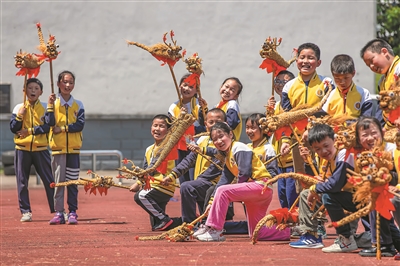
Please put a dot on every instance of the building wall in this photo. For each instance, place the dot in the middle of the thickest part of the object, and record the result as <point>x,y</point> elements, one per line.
<point>122,87</point>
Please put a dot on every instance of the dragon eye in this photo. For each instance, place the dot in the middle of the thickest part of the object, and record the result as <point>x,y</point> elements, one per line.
<point>359,155</point>
<point>369,155</point>
<point>378,97</point>
<point>372,165</point>
<point>57,45</point>
<point>369,177</point>
<point>391,94</point>
<point>345,134</point>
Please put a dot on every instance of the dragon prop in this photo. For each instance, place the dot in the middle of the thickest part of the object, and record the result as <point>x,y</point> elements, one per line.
<point>28,64</point>
<point>370,185</point>
<point>177,234</point>
<point>297,117</point>
<point>389,101</point>
<point>168,53</point>
<point>193,65</point>
<point>167,150</point>
<point>273,62</point>
<point>101,183</point>
<point>284,217</point>
<point>49,51</point>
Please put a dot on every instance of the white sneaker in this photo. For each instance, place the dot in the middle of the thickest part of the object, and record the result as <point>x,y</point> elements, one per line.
<point>26,217</point>
<point>211,235</point>
<point>201,230</point>
<point>342,244</point>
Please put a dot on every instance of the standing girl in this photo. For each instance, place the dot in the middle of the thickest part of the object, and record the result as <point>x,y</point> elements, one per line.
<point>190,105</point>
<point>244,165</point>
<point>65,142</point>
<point>30,128</point>
<point>230,91</point>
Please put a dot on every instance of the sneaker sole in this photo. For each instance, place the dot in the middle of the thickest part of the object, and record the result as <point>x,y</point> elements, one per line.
<point>383,254</point>
<point>310,247</point>
<point>26,221</point>
<point>338,251</point>
<point>56,223</point>
<point>212,240</point>
<point>165,226</point>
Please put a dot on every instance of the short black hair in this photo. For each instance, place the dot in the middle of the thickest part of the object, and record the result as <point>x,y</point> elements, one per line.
<point>218,110</point>
<point>35,80</point>
<point>166,118</point>
<point>376,46</point>
<point>342,64</point>
<point>221,126</point>
<point>286,72</point>
<point>319,132</point>
<point>312,46</point>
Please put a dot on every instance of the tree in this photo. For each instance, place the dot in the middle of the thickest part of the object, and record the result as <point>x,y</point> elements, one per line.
<point>388,23</point>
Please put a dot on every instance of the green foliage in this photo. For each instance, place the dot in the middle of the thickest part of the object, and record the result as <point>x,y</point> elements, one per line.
<point>388,22</point>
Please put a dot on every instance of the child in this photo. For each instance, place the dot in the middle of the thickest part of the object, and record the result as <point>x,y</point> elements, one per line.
<point>286,187</point>
<point>369,134</point>
<point>67,121</point>
<point>241,163</point>
<point>347,99</point>
<point>321,138</point>
<point>307,88</point>
<point>30,127</point>
<point>191,105</point>
<point>378,55</point>
<point>205,173</point>
<point>230,91</point>
<point>154,201</point>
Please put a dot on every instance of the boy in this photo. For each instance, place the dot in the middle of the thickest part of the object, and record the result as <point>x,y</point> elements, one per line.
<point>154,201</point>
<point>29,123</point>
<point>347,99</point>
<point>336,195</point>
<point>286,187</point>
<point>307,88</point>
<point>205,173</point>
<point>378,55</point>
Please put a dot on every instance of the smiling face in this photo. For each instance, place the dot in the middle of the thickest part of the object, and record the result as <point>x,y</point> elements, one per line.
<point>222,140</point>
<point>229,90</point>
<point>307,62</point>
<point>159,129</point>
<point>325,148</point>
<point>378,63</point>
<point>370,137</point>
<point>33,92</point>
<point>343,81</point>
<point>187,92</point>
<point>253,131</point>
<point>66,85</point>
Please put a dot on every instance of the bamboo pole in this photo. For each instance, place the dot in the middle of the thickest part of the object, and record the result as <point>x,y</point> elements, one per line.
<point>280,154</point>
<point>176,84</point>
<point>25,80</point>
<point>51,77</point>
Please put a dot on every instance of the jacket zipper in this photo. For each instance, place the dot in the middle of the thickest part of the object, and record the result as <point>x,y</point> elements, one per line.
<point>33,136</point>
<point>66,133</point>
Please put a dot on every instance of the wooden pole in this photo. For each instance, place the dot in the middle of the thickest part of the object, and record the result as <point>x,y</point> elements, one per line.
<point>378,236</point>
<point>25,80</point>
<point>51,76</point>
<point>203,107</point>
<point>176,84</point>
<point>273,80</point>
<point>280,154</point>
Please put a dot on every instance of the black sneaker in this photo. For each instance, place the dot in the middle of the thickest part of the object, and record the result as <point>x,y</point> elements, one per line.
<point>164,223</point>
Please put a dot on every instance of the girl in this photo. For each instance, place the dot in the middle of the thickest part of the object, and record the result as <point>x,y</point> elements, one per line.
<point>369,134</point>
<point>154,201</point>
<point>191,105</point>
<point>230,91</point>
<point>260,145</point>
<point>67,123</point>
<point>244,165</point>
<point>29,123</point>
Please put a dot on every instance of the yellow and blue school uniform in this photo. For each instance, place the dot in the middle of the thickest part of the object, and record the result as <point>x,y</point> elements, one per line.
<point>233,117</point>
<point>70,117</point>
<point>265,151</point>
<point>297,92</point>
<point>386,81</point>
<point>355,102</point>
<point>32,150</point>
<point>154,200</point>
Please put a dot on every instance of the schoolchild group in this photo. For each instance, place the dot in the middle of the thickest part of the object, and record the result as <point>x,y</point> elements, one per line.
<point>206,188</point>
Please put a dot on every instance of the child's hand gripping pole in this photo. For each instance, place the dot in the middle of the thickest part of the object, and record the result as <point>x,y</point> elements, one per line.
<point>280,154</point>
<point>197,150</point>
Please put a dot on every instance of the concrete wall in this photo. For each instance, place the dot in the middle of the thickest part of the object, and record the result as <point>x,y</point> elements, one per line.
<point>124,86</point>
